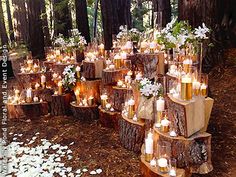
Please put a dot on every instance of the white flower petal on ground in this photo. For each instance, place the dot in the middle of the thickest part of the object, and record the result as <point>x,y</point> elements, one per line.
<point>93,172</point>
<point>85,170</point>
<point>99,171</point>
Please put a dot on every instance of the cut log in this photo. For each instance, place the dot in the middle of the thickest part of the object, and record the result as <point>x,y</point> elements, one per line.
<point>148,171</point>
<point>119,96</point>
<point>48,64</point>
<point>92,70</point>
<point>60,104</point>
<point>111,77</point>
<point>44,94</point>
<point>188,117</point>
<point>208,108</point>
<point>90,88</point>
<point>193,153</point>
<point>84,113</point>
<point>79,56</point>
<point>27,110</point>
<point>27,80</point>
<point>108,118</point>
<point>131,134</point>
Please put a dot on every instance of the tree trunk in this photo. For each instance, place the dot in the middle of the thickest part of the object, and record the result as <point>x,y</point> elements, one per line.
<point>82,18</point>
<point>218,16</point>
<point>107,22</point>
<point>164,12</point>
<point>11,31</point>
<point>36,38</point>
<point>95,19</point>
<point>47,39</point>
<point>3,33</point>
<point>20,21</point>
<point>62,17</point>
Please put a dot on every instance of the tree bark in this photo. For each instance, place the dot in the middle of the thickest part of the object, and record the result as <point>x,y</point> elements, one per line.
<point>20,21</point>
<point>47,38</point>
<point>82,18</point>
<point>36,38</point>
<point>11,31</point>
<point>123,12</point>
<point>107,22</point>
<point>62,17</point>
<point>164,12</point>
<point>3,33</point>
<point>95,19</point>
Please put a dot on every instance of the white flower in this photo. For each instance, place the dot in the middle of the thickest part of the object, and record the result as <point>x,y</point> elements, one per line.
<point>201,32</point>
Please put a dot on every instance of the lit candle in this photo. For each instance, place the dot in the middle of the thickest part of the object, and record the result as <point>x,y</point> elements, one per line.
<point>29,95</point>
<point>17,93</point>
<point>91,101</point>
<point>36,67</point>
<point>143,46</point>
<point>117,61</point>
<point>129,46</point>
<point>187,65</point>
<point>36,99</point>
<point>138,77</point>
<point>37,86</point>
<point>172,173</point>
<point>59,88</point>
<point>131,104</point>
<point>186,88</point>
<point>84,102</point>
<point>160,107</point>
<point>196,87</point>
<point>104,98</point>
<point>108,106</point>
<point>120,83</point>
<point>130,73</point>
<point>123,55</point>
<point>165,125</point>
<point>153,163</point>
<point>58,52</point>
<point>43,81</point>
<point>30,64</point>
<point>111,67</point>
<point>77,69</point>
<point>152,46</point>
<point>77,93</point>
<point>127,79</point>
<point>149,147</point>
<point>162,163</point>
<point>204,90</point>
<point>173,133</point>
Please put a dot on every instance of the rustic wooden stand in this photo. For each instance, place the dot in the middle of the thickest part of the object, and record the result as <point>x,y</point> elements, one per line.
<point>193,153</point>
<point>108,118</point>
<point>110,77</point>
<point>131,134</point>
<point>148,171</point>
<point>27,110</point>
<point>119,96</point>
<point>45,94</point>
<point>85,113</point>
<point>88,70</point>
<point>188,117</point>
<point>60,105</point>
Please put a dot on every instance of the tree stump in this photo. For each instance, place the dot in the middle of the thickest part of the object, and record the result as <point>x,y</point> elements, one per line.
<point>188,117</point>
<point>108,118</point>
<point>48,64</point>
<point>131,134</point>
<point>79,56</point>
<point>148,171</point>
<point>27,110</point>
<point>193,153</point>
<point>60,104</point>
<point>93,70</point>
<point>84,113</point>
<point>119,96</point>
<point>90,88</point>
<point>112,77</point>
<point>44,94</point>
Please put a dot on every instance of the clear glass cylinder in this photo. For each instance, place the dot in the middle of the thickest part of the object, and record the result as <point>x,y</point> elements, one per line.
<point>164,154</point>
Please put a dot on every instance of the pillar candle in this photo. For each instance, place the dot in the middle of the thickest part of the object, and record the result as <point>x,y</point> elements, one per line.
<point>43,81</point>
<point>149,147</point>
<point>59,88</point>
<point>29,95</point>
<point>186,88</point>
<point>131,104</point>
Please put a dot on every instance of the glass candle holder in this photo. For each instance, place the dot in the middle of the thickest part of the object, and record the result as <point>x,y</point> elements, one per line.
<point>172,167</point>
<point>164,153</point>
<point>204,84</point>
<point>117,61</point>
<point>160,108</point>
<point>104,98</point>
<point>127,64</point>
<point>149,154</point>
<point>131,107</point>
<point>186,87</point>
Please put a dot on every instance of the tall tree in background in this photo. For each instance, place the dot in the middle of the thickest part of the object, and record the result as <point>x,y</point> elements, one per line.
<point>10,25</point>
<point>163,9</point>
<point>47,38</point>
<point>36,37</point>
<point>3,33</point>
<point>82,18</point>
<point>62,17</point>
<point>107,21</point>
<point>95,17</point>
<point>20,20</point>
<point>217,15</point>
<point>124,14</point>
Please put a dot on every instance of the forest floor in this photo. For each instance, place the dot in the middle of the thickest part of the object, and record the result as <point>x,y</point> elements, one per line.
<point>98,147</point>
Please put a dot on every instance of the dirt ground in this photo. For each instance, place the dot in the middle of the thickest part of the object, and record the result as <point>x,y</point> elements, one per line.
<point>98,147</point>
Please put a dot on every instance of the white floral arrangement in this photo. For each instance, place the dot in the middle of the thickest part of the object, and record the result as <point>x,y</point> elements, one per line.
<point>69,77</point>
<point>76,40</point>
<point>179,34</point>
<point>125,34</point>
<point>59,41</point>
<point>149,89</point>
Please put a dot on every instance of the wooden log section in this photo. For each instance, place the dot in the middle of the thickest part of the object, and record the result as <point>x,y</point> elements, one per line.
<point>111,77</point>
<point>119,96</point>
<point>148,171</point>
<point>48,64</point>
<point>44,94</point>
<point>90,88</point>
<point>188,117</point>
<point>131,134</point>
<point>61,104</point>
<point>84,113</point>
<point>89,70</point>
<point>192,153</point>
<point>27,110</point>
<point>108,118</point>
